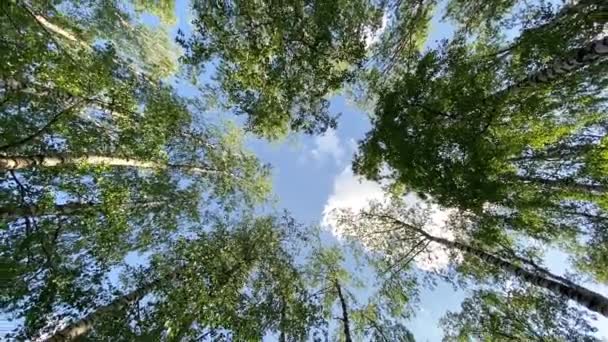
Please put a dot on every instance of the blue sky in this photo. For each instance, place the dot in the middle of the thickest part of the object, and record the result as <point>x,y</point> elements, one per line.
<point>308,172</point>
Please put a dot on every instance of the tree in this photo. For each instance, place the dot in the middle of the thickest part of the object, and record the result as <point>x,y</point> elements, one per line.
<point>572,19</point>
<point>49,83</point>
<point>403,37</point>
<point>516,314</point>
<point>79,24</point>
<point>228,281</point>
<point>105,162</point>
<point>327,273</point>
<point>380,316</point>
<point>516,135</point>
<point>445,152</point>
<point>276,62</point>
<point>395,225</point>
<point>124,211</point>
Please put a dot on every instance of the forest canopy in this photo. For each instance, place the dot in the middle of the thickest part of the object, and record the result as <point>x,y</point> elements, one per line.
<point>134,205</point>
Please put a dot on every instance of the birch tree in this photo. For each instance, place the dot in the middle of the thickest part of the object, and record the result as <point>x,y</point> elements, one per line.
<point>516,314</point>
<point>380,317</point>
<point>99,160</point>
<point>395,225</point>
<point>573,19</point>
<point>79,24</point>
<point>518,136</point>
<point>224,283</point>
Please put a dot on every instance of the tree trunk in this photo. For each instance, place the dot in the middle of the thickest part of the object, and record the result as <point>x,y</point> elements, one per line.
<point>84,325</point>
<point>587,298</point>
<point>42,130</point>
<point>565,184</point>
<point>573,8</point>
<point>578,8</point>
<point>345,321</point>
<point>65,34</point>
<point>582,57</point>
<point>71,208</point>
<point>282,337</point>
<point>67,209</point>
<point>24,162</point>
<point>47,25</point>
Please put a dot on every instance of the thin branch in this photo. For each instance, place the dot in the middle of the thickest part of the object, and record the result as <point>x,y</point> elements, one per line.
<point>41,130</point>
<point>414,256</point>
<point>320,292</point>
<point>375,325</point>
<point>406,256</point>
<point>28,225</point>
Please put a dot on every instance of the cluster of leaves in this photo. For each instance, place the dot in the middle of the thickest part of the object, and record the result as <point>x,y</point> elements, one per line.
<point>277,61</point>
<point>131,169</point>
<point>517,314</point>
<point>103,161</point>
<point>236,281</point>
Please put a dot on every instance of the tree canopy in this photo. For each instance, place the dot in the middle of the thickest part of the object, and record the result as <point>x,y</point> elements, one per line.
<point>278,61</point>
<point>513,135</point>
<point>516,315</point>
<point>132,208</point>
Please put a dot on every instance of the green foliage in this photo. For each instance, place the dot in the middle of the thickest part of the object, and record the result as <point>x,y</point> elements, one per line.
<point>276,62</point>
<point>73,86</point>
<point>119,164</point>
<point>149,49</point>
<point>471,125</point>
<point>163,9</point>
<point>408,25</point>
<point>233,280</point>
<point>517,314</point>
<point>380,314</point>
<point>557,23</point>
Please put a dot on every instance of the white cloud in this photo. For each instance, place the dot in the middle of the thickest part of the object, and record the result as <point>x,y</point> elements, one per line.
<point>350,191</point>
<point>437,256</point>
<point>372,37</point>
<point>328,146</point>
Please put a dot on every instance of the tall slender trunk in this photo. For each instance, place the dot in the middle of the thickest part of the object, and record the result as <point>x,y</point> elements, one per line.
<point>345,320</point>
<point>587,298</point>
<point>24,162</point>
<point>582,57</point>
<point>282,337</point>
<point>47,25</point>
<point>42,130</point>
<point>65,34</point>
<point>71,208</point>
<point>566,184</point>
<point>573,8</point>
<point>84,325</point>
<point>67,209</point>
